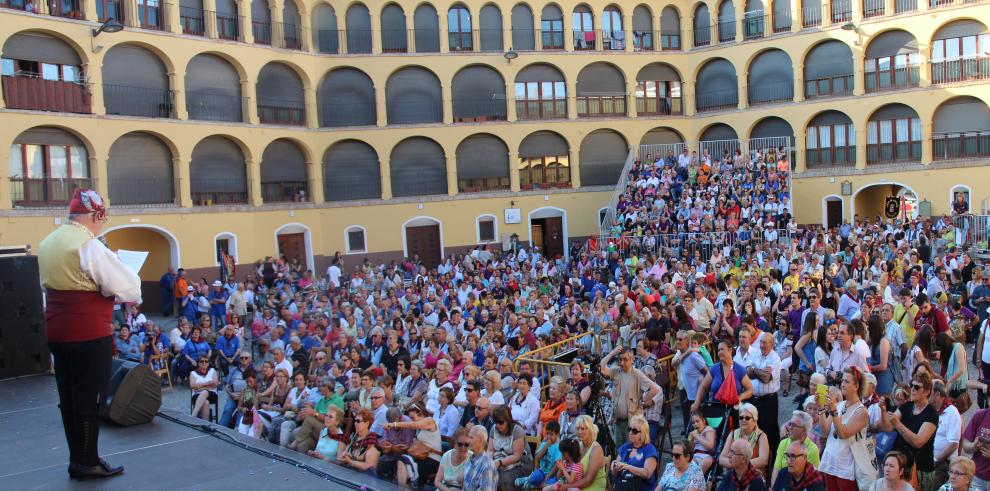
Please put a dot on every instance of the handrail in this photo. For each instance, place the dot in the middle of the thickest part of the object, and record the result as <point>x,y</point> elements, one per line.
<point>620,187</point>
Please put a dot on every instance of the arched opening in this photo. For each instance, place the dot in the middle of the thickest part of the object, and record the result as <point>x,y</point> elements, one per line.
<point>828,70</point>
<point>892,62</point>
<point>613,33</point>
<point>960,199</point>
<point>418,168</point>
<point>228,20</point>
<point>726,21</point>
<point>754,20</point>
<point>135,83</point>
<point>718,142</point>
<point>642,23</point>
<point>781,15</point>
<point>603,156</point>
<point>670,29</point>
<point>482,164</point>
<point>325,34</point>
<point>219,174</point>
<point>552,28</point>
<point>717,86</point>
<point>658,90</point>
<point>541,93</point>
<point>773,139</point>
<point>771,78</point>
<point>346,97</point>
<point>287,33</point>
<point>139,171</point>
<point>394,38</point>
<point>34,64</point>
<point>830,141</point>
<point>213,90</point>
<point>961,129</point>
<point>885,200</point>
<point>427,26</point>
<point>548,231</point>
<point>261,22</point>
<point>702,25</point>
<point>486,229</point>
<point>358,22</point>
<point>832,209</point>
<point>660,143</point>
<point>490,22</point>
<point>479,95</point>
<point>47,164</point>
<point>523,38</point>
<point>280,96</point>
<point>163,253</point>
<point>893,134</point>
<point>422,239</point>
<point>355,239</point>
<point>192,17</point>
<point>351,171</point>
<point>601,91</point>
<point>459,31</point>
<point>960,51</point>
<point>283,173</point>
<point>412,95</point>
<point>294,242</point>
<point>544,161</point>
<point>583,26</point>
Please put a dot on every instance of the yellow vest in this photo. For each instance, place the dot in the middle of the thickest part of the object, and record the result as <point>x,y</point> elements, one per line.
<point>58,259</point>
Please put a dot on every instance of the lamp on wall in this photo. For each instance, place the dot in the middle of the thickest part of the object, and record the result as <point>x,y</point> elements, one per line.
<point>849,26</point>
<point>847,188</point>
<point>109,26</point>
<point>510,55</point>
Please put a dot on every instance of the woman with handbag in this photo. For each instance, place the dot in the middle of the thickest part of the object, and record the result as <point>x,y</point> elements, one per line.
<point>426,449</point>
<point>915,423</point>
<point>713,387</point>
<point>845,424</point>
<point>635,466</point>
<point>507,444</point>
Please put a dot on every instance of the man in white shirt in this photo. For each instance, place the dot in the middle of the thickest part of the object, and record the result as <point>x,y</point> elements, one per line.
<point>281,362</point>
<point>333,273</point>
<point>764,373</point>
<point>947,434</point>
<point>745,354</point>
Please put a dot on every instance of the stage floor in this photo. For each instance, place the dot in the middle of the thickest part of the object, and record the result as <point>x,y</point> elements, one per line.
<point>157,455</point>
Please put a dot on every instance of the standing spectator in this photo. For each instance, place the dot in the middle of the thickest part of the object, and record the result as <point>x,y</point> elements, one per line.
<point>234,384</point>
<point>218,305</point>
<point>690,370</point>
<point>626,391</point>
<point>180,289</point>
<point>976,441</point>
<point>947,434</point>
<point>764,374</point>
<point>915,422</point>
<point>845,424</point>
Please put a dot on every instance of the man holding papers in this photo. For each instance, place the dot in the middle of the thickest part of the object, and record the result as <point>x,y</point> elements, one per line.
<point>82,280</point>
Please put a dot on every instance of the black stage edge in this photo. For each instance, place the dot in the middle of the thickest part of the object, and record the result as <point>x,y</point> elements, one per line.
<point>158,455</point>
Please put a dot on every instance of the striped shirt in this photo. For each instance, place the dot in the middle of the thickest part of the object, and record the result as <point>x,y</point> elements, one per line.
<point>761,362</point>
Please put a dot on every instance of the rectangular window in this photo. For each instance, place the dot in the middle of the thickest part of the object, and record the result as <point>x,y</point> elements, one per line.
<point>35,157</point>
<point>7,67</point>
<point>811,138</point>
<point>58,162</point>
<point>16,162</point>
<point>223,247</point>
<point>71,73</point>
<point>77,159</point>
<point>486,230</point>
<point>50,72</point>
<point>355,240</point>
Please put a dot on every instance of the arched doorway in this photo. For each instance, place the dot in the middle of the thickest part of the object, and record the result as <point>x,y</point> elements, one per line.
<point>548,231</point>
<point>423,237</point>
<point>163,253</point>
<point>295,242</point>
<point>831,211</point>
<point>887,200</point>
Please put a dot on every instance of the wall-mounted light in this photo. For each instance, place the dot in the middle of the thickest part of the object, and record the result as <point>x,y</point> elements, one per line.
<point>109,26</point>
<point>510,55</point>
<point>847,188</point>
<point>850,26</point>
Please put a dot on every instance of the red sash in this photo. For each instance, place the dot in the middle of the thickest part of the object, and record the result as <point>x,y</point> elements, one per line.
<point>72,316</point>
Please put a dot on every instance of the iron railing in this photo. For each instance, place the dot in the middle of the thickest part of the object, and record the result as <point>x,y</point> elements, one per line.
<point>659,150</point>
<point>153,15</point>
<point>610,220</point>
<point>214,107</point>
<point>726,31</point>
<point>834,86</point>
<point>874,8</point>
<point>960,69</point>
<point>69,9</point>
<point>768,93</point>
<point>193,21</point>
<point>491,40</point>
<point>601,106</point>
<point>658,106</point>
<point>686,244</point>
<point>702,36</point>
<point>412,112</point>
<point>902,6</point>
<point>901,77</point>
<point>110,9</point>
<point>811,16</point>
<point>336,114</point>
<point>479,110</point>
<point>154,192</point>
<point>482,184</point>
<point>530,109</point>
<point>782,23</point>
<point>284,191</point>
<point>841,11</point>
<point>45,192</point>
<point>716,100</point>
<point>833,156</point>
<point>207,192</point>
<point>281,112</point>
<point>228,26</point>
<point>139,101</point>
<point>909,151</point>
<point>755,25</point>
<point>969,144</point>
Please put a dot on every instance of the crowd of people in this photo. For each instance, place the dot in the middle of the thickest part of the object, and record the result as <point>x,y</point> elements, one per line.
<point>438,376</point>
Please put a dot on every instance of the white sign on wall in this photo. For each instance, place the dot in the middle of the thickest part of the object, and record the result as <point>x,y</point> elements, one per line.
<point>512,215</point>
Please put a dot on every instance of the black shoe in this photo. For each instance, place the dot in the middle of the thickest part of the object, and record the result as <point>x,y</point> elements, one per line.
<point>103,469</point>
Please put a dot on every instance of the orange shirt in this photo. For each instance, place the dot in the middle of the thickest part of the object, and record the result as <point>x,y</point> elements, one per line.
<point>181,284</point>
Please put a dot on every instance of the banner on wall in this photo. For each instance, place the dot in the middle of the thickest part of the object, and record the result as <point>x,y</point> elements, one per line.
<point>892,206</point>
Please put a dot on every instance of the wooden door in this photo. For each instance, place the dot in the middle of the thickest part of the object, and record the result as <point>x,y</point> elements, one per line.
<point>833,211</point>
<point>293,246</point>
<point>553,237</point>
<point>424,241</point>
<point>537,233</point>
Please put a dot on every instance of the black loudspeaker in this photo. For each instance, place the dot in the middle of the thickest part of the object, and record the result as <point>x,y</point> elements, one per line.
<point>23,350</point>
<point>134,396</point>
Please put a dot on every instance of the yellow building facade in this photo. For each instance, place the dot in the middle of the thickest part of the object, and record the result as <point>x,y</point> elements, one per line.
<point>391,128</point>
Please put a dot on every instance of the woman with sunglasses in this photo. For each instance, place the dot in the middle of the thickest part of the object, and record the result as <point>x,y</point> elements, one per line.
<point>362,453</point>
<point>845,424</point>
<point>203,384</point>
<point>507,444</point>
<point>450,475</point>
<point>332,440</point>
<point>748,430</point>
<point>637,456</point>
<point>427,435</point>
<point>915,423</point>
<point>683,474</point>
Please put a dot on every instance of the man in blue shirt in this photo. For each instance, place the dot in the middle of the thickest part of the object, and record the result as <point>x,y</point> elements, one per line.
<point>690,370</point>
<point>233,384</point>
<point>228,346</point>
<point>218,305</point>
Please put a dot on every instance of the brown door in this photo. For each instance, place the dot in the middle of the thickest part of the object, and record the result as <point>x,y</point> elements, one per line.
<point>833,210</point>
<point>537,235</point>
<point>553,237</point>
<point>424,241</point>
<point>293,246</point>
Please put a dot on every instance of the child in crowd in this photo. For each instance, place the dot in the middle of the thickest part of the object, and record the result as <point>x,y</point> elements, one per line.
<point>547,455</point>
<point>569,470</point>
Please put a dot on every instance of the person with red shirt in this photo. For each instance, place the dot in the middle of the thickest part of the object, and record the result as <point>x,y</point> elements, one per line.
<point>928,314</point>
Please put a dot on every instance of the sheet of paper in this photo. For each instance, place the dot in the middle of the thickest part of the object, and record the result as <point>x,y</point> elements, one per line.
<point>132,259</point>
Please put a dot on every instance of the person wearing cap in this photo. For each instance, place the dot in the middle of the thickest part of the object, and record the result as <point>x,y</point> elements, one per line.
<point>82,280</point>
<point>218,304</point>
<point>188,304</point>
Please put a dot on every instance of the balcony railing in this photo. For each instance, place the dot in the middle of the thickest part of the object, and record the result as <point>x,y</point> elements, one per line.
<point>893,79</point>
<point>328,41</point>
<point>69,9</point>
<point>460,41</point>
<point>193,21</point>
<point>337,114</point>
<point>479,110</point>
<point>645,40</point>
<point>844,156</point>
<point>262,32</point>
<point>768,93</point>
<point>491,40</point>
<point>281,112</point>
<point>811,16</point>
<point>287,36</point>
<point>24,5</point>
<point>782,23</point>
<point>37,94</point>
<point>214,107</point>
<point>139,101</point>
<point>44,192</point>
<point>601,106</point>
<point>110,9</point>
<point>726,31</point>
<point>755,26</point>
<point>935,4</point>
<point>284,192</point>
<point>970,144</point>
<point>414,112</point>
<point>207,192</point>
<point>658,106</point>
<point>670,41</point>
<point>587,40</point>
<point>877,153</point>
<point>841,11</point>
<point>702,36</point>
<point>716,100</point>
<point>482,184</point>
<point>834,86</point>
<point>902,6</point>
<point>874,8</point>
<point>541,109</point>
<point>153,15</point>
<point>156,192</point>
<point>397,40</point>
<point>228,26</point>
<point>960,70</point>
